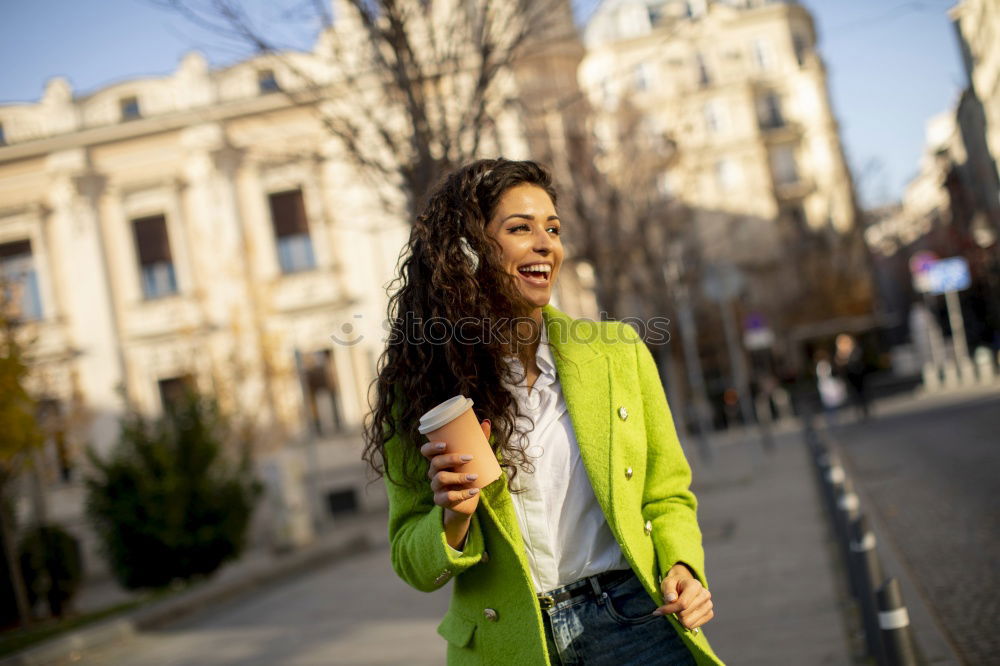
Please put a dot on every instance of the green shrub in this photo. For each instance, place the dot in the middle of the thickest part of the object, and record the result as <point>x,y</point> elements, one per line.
<point>52,567</point>
<point>8,604</point>
<point>167,504</point>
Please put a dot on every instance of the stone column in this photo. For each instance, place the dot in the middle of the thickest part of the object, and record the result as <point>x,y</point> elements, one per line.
<point>221,250</point>
<point>90,311</point>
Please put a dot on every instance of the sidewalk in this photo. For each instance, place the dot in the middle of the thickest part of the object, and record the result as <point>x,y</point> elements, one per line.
<point>257,569</point>
<point>770,561</point>
<point>776,585</point>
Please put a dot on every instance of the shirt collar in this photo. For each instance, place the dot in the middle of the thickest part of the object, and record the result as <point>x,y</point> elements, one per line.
<point>544,359</point>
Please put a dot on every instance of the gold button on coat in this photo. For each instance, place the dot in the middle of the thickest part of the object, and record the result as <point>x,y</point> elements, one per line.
<point>491,615</point>
<point>628,472</point>
<point>649,527</point>
<point>622,413</point>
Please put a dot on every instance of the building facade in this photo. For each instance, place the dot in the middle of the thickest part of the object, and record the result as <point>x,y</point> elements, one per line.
<point>204,229</point>
<point>738,93</point>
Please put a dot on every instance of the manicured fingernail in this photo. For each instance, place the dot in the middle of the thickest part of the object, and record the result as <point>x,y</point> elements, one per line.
<point>671,597</point>
<point>473,491</point>
<point>657,612</point>
<point>466,457</point>
<point>471,477</point>
<point>440,446</point>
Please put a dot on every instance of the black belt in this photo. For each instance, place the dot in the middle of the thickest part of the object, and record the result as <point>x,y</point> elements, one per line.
<point>585,586</point>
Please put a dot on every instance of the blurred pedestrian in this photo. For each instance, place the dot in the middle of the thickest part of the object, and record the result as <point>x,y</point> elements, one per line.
<point>832,391</point>
<point>849,364</point>
<point>594,550</point>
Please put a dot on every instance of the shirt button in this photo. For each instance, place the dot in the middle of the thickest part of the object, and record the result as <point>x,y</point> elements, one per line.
<point>628,472</point>
<point>491,615</point>
<point>622,413</point>
<point>485,558</point>
<point>648,527</point>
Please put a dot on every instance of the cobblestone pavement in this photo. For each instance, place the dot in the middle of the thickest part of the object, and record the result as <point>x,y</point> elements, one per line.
<point>932,476</point>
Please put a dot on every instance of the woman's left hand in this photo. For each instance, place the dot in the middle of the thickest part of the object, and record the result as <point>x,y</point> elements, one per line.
<point>686,597</point>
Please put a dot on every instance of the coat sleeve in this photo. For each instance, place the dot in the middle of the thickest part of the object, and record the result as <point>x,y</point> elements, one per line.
<point>419,548</point>
<point>668,502</point>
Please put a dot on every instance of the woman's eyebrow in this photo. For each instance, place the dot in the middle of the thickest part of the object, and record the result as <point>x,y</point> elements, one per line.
<point>526,216</point>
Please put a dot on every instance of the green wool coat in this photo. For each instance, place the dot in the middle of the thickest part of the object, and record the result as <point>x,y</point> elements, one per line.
<point>640,476</point>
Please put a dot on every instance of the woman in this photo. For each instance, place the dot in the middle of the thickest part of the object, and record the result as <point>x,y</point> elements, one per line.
<point>587,550</point>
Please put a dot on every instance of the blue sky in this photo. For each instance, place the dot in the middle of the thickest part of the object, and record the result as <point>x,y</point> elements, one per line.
<point>892,64</point>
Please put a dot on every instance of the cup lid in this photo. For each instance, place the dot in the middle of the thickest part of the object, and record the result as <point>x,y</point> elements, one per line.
<point>443,414</point>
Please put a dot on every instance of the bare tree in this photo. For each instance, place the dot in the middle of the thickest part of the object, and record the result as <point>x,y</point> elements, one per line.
<point>625,220</point>
<point>409,88</point>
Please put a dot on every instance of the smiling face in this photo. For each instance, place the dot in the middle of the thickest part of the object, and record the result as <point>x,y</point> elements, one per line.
<point>527,227</point>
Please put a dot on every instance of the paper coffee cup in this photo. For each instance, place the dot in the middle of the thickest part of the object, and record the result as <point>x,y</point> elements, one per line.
<point>454,423</point>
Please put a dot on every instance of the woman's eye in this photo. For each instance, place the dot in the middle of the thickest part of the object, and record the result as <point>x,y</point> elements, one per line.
<point>519,227</point>
<point>555,230</point>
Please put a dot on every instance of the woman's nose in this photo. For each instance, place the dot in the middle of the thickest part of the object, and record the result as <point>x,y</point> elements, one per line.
<point>543,243</point>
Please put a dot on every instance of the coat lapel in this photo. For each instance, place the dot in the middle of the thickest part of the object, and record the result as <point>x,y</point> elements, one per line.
<point>586,385</point>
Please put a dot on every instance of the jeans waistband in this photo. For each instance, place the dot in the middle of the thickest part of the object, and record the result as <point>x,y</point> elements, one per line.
<point>591,585</point>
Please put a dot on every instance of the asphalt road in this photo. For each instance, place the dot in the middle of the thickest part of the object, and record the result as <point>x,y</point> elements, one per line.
<point>933,477</point>
<point>357,612</point>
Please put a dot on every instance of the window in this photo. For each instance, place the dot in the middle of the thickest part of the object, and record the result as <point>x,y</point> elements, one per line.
<point>19,280</point>
<point>769,111</point>
<point>291,229</point>
<point>762,55</point>
<point>156,266</point>
<point>783,165</point>
<point>174,391</point>
<point>715,117</point>
<point>666,185</point>
<point>704,77</point>
<point>320,388</point>
<point>266,81</point>
<point>643,77</point>
<point>52,421</point>
<point>795,218</point>
<point>800,45</point>
<point>727,173</point>
<point>129,107</point>
<point>695,8</point>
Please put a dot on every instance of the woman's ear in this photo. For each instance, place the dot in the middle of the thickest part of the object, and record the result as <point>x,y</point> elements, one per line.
<point>469,253</point>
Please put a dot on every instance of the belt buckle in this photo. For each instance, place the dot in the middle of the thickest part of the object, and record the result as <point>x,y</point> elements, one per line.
<point>546,601</point>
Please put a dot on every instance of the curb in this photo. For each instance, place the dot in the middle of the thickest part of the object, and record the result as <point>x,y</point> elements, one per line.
<point>68,647</point>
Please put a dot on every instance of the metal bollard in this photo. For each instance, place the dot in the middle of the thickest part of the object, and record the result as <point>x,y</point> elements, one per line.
<point>894,622</point>
<point>847,512</point>
<point>834,485</point>
<point>869,570</point>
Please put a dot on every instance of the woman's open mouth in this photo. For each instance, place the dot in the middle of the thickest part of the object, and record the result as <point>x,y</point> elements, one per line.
<point>535,274</point>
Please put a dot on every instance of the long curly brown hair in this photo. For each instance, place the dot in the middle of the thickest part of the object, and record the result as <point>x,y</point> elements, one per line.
<point>438,289</point>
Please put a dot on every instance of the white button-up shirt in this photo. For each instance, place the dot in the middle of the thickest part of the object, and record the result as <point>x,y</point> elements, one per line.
<point>565,533</point>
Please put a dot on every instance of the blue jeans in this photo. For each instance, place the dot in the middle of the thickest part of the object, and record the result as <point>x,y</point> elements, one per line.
<point>611,626</point>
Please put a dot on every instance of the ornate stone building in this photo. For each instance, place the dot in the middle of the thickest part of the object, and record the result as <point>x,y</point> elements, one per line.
<point>203,228</point>
<point>736,92</point>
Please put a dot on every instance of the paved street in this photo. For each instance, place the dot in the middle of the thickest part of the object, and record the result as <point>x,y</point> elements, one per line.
<point>932,476</point>
<point>357,612</point>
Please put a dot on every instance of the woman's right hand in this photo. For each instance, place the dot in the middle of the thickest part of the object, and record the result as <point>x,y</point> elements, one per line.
<point>450,488</point>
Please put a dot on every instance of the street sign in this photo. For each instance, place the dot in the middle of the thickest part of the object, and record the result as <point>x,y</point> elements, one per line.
<point>922,261</point>
<point>758,338</point>
<point>756,333</point>
<point>920,266</point>
<point>948,275</point>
